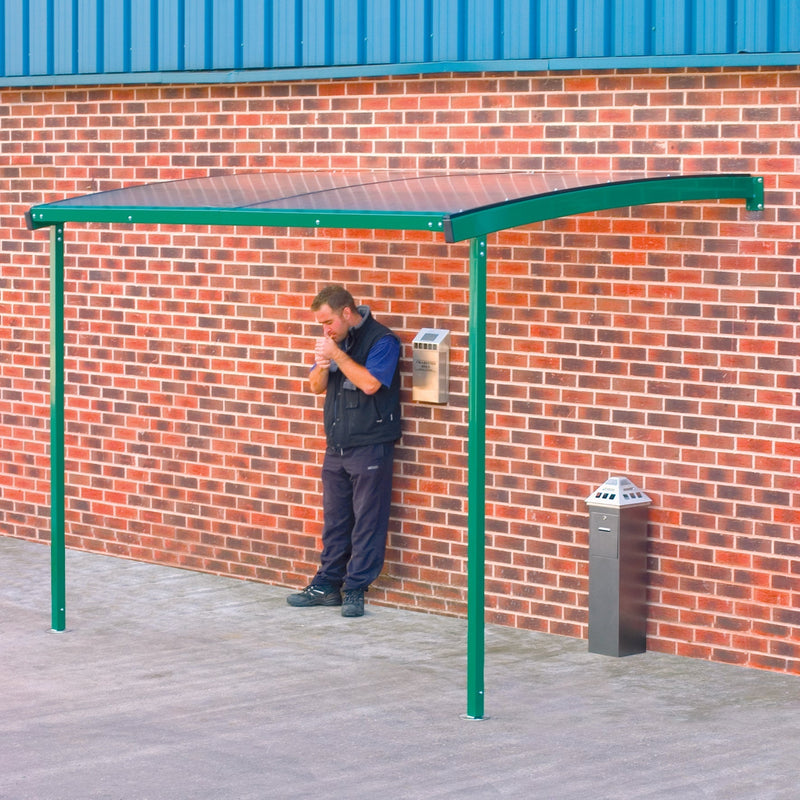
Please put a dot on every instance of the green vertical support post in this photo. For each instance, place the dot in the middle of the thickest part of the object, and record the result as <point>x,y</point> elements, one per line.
<point>476,512</point>
<point>57,463</point>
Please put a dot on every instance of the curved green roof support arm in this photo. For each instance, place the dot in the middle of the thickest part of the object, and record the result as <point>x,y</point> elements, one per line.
<point>480,221</point>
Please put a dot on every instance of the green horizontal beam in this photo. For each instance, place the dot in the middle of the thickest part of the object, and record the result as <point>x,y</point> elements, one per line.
<point>55,214</point>
<point>480,222</point>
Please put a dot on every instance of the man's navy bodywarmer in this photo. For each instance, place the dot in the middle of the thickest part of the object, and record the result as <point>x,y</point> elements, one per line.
<point>353,418</point>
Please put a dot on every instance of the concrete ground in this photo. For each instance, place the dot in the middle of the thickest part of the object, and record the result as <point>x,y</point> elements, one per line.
<point>170,684</point>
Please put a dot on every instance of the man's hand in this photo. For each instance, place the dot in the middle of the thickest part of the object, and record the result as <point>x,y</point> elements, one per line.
<point>323,352</point>
<point>318,377</point>
<point>326,350</point>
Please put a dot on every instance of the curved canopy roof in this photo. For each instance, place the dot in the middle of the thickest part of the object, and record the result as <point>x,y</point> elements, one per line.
<point>460,205</point>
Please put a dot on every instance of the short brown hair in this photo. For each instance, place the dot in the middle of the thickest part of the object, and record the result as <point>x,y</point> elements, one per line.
<point>337,297</point>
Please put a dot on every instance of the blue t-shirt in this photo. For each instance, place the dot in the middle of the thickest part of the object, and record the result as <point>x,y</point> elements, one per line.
<point>381,360</point>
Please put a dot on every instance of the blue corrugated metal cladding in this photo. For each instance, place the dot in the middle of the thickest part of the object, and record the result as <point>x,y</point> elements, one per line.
<point>51,40</point>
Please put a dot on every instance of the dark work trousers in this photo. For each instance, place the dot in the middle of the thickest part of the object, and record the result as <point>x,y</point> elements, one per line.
<point>356,500</point>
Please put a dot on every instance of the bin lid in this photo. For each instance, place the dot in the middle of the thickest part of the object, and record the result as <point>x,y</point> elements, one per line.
<point>618,492</point>
<point>433,338</point>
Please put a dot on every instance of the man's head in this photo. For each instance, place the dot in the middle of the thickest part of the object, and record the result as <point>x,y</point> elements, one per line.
<point>335,309</point>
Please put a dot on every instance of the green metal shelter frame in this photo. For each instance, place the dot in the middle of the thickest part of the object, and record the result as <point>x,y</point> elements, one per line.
<point>461,206</point>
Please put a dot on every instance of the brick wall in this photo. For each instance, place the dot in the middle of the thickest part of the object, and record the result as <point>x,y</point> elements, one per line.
<point>659,343</point>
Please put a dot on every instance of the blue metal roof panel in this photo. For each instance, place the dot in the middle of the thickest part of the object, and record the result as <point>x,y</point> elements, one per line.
<point>413,32</point>
<point>631,15</point>
<point>48,42</point>
<point>713,27</point>
<point>312,31</point>
<point>671,27</point>
<point>287,40</point>
<point>114,36</point>
<point>558,29</point>
<point>593,26</point>
<point>40,52</point>
<point>518,29</point>
<point>378,47</point>
<point>90,55</point>
<point>786,25</point>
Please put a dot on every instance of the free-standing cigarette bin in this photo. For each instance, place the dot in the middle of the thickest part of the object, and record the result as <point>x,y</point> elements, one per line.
<point>618,513</point>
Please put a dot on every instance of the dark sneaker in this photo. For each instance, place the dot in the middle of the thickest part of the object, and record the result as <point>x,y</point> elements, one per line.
<point>353,605</point>
<point>317,594</point>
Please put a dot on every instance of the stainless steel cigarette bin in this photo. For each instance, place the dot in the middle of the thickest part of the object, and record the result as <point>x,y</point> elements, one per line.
<point>618,513</point>
<point>431,366</point>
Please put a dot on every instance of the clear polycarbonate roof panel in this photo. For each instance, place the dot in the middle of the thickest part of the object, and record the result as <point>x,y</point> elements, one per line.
<point>399,192</point>
<point>460,205</point>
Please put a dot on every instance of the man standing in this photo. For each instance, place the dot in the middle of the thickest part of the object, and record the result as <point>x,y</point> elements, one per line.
<point>357,366</point>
